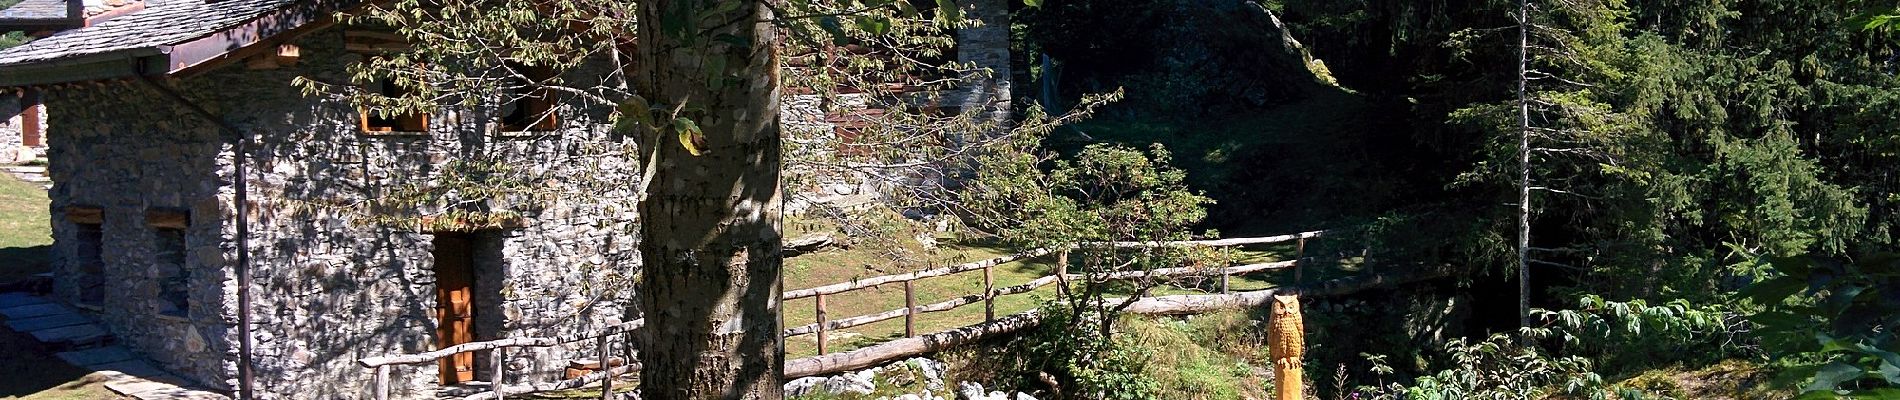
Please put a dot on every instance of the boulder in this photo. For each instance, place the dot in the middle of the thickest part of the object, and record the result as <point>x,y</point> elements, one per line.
<point>803,386</point>
<point>970,391</point>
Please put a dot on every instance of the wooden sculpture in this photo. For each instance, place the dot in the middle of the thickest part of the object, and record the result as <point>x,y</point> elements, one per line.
<point>1287,346</point>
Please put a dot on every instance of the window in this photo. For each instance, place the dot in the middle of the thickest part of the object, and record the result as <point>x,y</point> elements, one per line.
<point>90,264</point>
<point>174,277</point>
<point>527,106</point>
<point>169,261</point>
<point>376,122</point>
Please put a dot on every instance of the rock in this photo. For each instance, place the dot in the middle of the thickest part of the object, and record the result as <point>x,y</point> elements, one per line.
<point>997,395</point>
<point>969,390</point>
<point>932,370</point>
<point>803,386</point>
<point>1024,396</point>
<point>861,382</point>
<point>910,396</point>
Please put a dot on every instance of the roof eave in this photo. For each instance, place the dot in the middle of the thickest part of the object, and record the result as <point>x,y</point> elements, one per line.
<point>104,66</point>
<point>247,39</point>
<point>40,24</point>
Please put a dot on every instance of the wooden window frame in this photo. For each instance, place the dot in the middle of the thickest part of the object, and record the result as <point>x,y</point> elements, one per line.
<point>371,43</point>
<point>411,123</point>
<point>536,111</point>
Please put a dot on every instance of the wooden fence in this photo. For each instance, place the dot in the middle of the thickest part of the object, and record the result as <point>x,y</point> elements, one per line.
<point>825,324</point>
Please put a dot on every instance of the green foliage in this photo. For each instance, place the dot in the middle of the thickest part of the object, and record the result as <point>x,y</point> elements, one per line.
<point>1626,336</point>
<point>1838,313</point>
<point>1098,366</point>
<point>1494,368</point>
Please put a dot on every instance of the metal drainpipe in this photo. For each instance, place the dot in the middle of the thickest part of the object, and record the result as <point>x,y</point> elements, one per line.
<point>245,375</point>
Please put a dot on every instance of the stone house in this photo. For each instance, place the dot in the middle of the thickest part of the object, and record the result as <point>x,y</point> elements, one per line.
<point>22,117</point>
<point>205,210</point>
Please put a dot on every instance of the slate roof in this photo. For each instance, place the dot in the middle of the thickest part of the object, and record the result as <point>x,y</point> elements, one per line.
<point>163,25</point>
<point>36,9</point>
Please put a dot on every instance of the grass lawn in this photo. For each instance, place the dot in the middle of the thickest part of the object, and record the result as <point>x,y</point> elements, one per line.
<point>27,370</point>
<point>25,233</point>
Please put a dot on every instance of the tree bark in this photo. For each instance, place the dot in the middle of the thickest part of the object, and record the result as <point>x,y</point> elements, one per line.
<point>1523,166</point>
<point>710,222</point>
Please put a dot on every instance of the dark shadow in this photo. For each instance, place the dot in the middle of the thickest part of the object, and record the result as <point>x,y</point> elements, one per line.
<point>28,367</point>
<point>21,267</point>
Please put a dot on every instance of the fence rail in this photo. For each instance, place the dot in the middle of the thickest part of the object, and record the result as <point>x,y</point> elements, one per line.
<point>824,323</point>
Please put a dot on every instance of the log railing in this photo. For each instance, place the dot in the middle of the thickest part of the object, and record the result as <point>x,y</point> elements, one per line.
<point>824,324</point>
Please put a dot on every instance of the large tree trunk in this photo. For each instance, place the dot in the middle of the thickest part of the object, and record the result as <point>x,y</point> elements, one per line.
<point>709,223</point>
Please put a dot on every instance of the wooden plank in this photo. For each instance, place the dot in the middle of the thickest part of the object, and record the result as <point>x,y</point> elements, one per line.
<point>165,218</point>
<point>896,349</point>
<point>584,380</point>
<point>499,358</point>
<point>1219,242</point>
<point>945,305</point>
<point>1182,304</point>
<point>910,310</point>
<point>382,382</point>
<point>430,356</point>
<point>989,294</point>
<point>1299,253</point>
<point>820,317</point>
<point>606,363</point>
<point>879,280</point>
<point>85,214</point>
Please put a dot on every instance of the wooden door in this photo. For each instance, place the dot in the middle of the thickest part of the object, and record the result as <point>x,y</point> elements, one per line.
<point>455,309</point>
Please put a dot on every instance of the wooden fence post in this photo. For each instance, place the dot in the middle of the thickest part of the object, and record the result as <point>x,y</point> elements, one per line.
<point>821,323</point>
<point>910,311</point>
<point>500,354</point>
<point>606,368</point>
<point>1223,280</point>
<point>989,294</point>
<point>1299,266</point>
<point>382,382</point>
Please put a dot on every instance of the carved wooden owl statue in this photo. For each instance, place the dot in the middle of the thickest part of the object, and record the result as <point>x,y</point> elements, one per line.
<point>1286,338</point>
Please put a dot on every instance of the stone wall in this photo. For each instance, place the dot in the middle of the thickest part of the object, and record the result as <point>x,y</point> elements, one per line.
<point>986,46</point>
<point>328,286</point>
<point>11,123</point>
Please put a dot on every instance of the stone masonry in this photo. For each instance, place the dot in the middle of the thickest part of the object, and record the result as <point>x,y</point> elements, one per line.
<point>327,287</point>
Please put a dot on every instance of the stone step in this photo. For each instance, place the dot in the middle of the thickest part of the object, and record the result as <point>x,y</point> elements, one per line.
<point>46,322</point>
<point>16,299</point>
<point>97,356</point>
<point>72,335</point>
<point>34,310</point>
<point>134,368</point>
<point>149,390</point>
